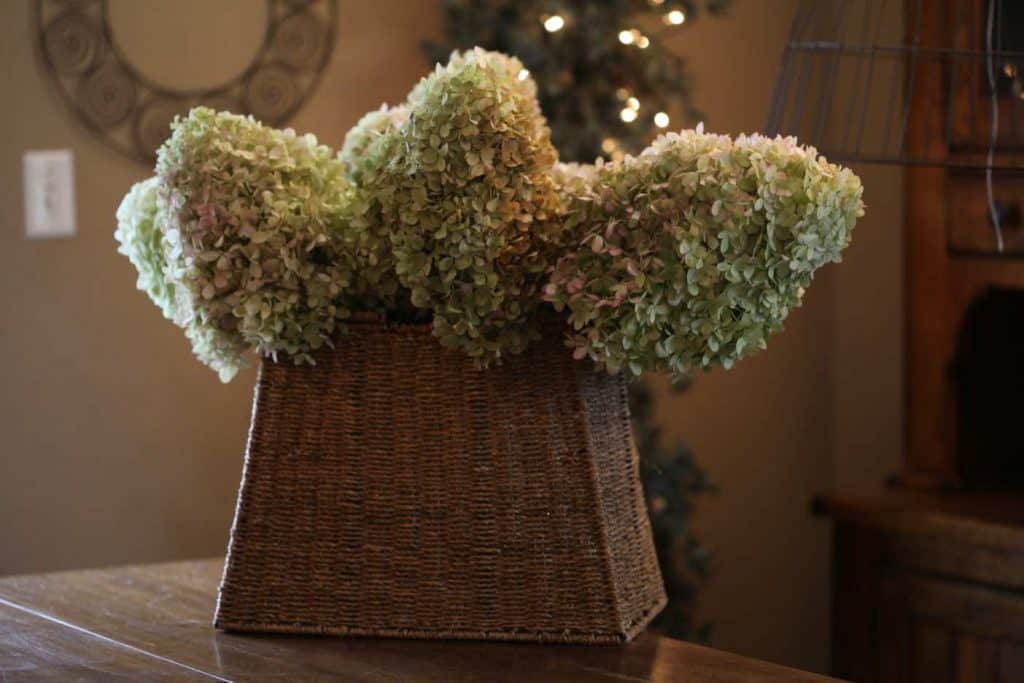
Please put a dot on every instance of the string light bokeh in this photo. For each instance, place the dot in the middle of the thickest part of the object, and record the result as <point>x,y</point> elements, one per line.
<point>608,78</point>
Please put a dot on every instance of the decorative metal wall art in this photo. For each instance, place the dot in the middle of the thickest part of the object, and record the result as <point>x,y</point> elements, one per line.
<point>78,50</point>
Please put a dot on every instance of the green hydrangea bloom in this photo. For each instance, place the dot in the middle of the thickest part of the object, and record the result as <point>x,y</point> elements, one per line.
<point>221,350</point>
<point>355,150</point>
<point>466,192</point>
<point>140,233</point>
<point>362,153</point>
<point>257,241</point>
<point>694,252</point>
<point>141,240</point>
<point>573,183</point>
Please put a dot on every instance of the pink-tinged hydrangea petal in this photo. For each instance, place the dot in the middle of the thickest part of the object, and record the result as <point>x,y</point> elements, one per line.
<point>692,253</point>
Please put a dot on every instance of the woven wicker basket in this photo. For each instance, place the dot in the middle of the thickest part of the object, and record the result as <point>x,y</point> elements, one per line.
<point>394,490</point>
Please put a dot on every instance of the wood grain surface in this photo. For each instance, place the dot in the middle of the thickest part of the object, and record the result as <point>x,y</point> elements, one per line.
<point>927,586</point>
<point>154,623</point>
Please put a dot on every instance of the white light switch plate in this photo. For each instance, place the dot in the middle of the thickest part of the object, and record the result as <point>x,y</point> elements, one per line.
<point>49,179</point>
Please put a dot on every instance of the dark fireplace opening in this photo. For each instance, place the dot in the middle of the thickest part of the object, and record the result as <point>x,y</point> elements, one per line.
<point>988,374</point>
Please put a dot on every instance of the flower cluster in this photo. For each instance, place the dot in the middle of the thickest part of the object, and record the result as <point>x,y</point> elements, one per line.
<point>141,241</point>
<point>355,153</point>
<point>140,231</point>
<point>695,251</point>
<point>255,237</point>
<point>466,192</point>
<point>454,205</point>
<point>362,155</point>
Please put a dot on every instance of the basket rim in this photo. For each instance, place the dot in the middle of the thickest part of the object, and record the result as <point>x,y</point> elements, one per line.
<point>374,323</point>
<point>371,319</point>
<point>547,322</point>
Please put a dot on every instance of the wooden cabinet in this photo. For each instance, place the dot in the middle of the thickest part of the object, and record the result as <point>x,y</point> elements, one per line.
<point>929,578</point>
<point>936,630</point>
<point>951,244</point>
<point>929,588</point>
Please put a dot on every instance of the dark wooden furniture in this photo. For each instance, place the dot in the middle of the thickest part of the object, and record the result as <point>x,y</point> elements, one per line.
<point>929,575</point>
<point>153,623</point>
<point>950,246</point>
<point>928,587</point>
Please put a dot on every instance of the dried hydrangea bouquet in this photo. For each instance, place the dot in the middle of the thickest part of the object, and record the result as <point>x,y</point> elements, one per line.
<point>445,316</point>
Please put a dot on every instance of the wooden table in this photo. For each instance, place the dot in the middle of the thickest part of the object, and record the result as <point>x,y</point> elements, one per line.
<point>153,623</point>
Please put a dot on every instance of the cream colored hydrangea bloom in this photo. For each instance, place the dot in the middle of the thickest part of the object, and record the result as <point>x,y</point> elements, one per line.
<point>141,240</point>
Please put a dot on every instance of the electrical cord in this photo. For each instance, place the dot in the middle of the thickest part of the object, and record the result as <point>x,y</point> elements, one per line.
<point>994,128</point>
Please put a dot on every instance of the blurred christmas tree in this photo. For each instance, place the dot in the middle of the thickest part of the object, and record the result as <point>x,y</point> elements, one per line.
<point>608,85</point>
<point>606,81</point>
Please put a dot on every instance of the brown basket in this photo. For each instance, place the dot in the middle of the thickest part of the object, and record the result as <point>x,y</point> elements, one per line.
<point>395,490</point>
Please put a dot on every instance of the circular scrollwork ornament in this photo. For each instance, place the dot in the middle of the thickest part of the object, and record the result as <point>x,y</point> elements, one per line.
<point>107,96</point>
<point>271,94</point>
<point>72,42</point>
<point>130,112</point>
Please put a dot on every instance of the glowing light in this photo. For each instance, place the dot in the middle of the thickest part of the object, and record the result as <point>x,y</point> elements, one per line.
<point>633,103</point>
<point>523,74</point>
<point>626,37</point>
<point>554,23</point>
<point>661,120</point>
<point>674,18</point>
<point>622,93</point>
<point>628,115</point>
<point>642,42</point>
<point>655,3</point>
<point>608,145</point>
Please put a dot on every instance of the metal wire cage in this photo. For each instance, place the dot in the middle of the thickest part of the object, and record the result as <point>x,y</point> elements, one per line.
<point>852,71</point>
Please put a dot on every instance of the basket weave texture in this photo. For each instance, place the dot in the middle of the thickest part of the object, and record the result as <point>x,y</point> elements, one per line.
<point>395,490</point>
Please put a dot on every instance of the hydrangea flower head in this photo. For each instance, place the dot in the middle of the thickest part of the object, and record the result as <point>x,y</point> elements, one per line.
<point>466,191</point>
<point>257,244</point>
<point>355,152</point>
<point>693,253</point>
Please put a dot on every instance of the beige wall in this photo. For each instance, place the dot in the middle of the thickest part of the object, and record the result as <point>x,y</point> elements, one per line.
<point>761,429</point>
<point>118,447</point>
<point>820,409</point>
